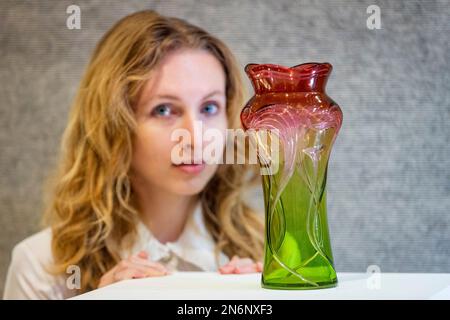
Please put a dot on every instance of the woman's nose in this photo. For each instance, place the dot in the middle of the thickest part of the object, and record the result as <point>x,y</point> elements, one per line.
<point>194,126</point>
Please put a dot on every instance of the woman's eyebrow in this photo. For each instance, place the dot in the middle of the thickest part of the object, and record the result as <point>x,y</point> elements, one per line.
<point>166,96</point>
<point>173,97</point>
<point>218,92</point>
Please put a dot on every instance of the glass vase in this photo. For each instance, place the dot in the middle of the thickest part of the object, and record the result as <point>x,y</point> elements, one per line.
<point>291,106</point>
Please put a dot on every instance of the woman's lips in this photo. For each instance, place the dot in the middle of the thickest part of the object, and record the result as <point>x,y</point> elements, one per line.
<point>191,168</point>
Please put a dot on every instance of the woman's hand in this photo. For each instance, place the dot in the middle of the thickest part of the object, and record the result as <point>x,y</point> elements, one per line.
<point>241,265</point>
<point>135,267</point>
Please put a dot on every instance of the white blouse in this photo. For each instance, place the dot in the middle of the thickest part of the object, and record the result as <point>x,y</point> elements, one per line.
<point>28,277</point>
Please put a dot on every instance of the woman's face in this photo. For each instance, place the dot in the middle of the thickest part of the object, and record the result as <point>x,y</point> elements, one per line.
<point>186,90</point>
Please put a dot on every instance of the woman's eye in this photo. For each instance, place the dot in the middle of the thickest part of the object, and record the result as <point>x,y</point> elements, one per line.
<point>162,110</point>
<point>210,108</point>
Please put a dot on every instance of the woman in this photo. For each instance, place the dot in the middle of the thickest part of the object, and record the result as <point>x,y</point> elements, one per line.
<point>121,207</point>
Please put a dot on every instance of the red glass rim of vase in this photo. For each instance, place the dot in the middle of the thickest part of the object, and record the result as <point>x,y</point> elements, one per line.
<point>310,76</point>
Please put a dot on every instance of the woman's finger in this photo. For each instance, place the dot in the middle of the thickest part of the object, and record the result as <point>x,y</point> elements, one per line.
<point>149,269</point>
<point>241,265</point>
<point>137,272</point>
<point>147,263</point>
<point>229,267</point>
<point>127,274</point>
<point>143,258</point>
<point>259,266</point>
<point>246,269</point>
<point>226,269</point>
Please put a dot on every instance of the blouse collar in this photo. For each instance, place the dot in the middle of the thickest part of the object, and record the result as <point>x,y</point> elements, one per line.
<point>195,244</point>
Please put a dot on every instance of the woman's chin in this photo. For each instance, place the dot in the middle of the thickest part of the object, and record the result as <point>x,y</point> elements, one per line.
<point>185,189</point>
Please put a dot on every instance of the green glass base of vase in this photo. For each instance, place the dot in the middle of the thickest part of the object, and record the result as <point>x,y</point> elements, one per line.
<point>299,286</point>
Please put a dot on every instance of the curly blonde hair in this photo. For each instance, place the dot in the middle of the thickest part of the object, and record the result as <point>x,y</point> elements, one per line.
<point>92,209</point>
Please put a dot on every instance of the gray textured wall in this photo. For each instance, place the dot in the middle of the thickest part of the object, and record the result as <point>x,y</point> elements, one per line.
<point>389,177</point>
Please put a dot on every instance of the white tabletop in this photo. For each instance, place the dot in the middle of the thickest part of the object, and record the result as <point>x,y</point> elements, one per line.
<point>214,286</point>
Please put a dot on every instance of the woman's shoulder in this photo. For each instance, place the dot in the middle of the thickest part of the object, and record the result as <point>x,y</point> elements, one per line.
<point>28,274</point>
<point>37,245</point>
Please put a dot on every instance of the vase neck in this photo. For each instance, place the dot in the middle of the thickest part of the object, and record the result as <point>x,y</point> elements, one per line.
<point>306,77</point>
